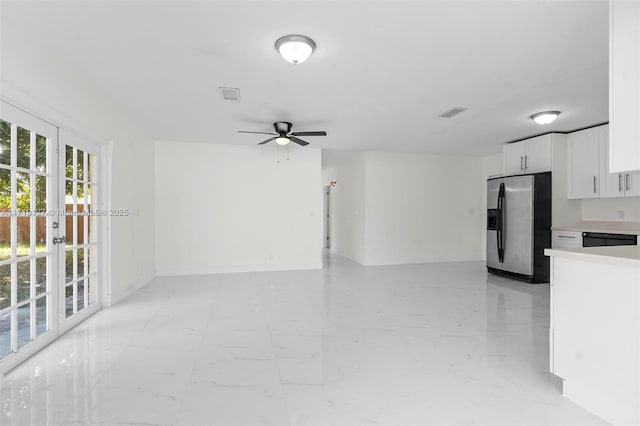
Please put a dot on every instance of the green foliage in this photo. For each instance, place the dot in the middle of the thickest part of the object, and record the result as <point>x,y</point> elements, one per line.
<point>5,158</point>
<point>23,159</point>
<point>5,189</point>
<point>24,272</point>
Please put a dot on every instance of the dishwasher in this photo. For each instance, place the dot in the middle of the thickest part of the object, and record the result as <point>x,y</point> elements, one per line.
<point>599,239</point>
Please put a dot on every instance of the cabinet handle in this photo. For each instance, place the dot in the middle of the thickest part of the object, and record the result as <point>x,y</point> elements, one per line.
<point>594,185</point>
<point>525,162</point>
<point>521,168</point>
<point>566,236</point>
<point>619,182</point>
<point>627,186</point>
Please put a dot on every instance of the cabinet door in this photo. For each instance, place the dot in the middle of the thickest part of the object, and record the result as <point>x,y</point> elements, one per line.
<point>632,184</point>
<point>513,158</point>
<point>566,239</point>
<point>537,154</point>
<point>611,184</point>
<point>624,85</point>
<point>583,164</point>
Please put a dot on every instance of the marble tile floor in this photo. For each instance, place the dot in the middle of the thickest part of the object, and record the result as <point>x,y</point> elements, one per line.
<point>432,344</point>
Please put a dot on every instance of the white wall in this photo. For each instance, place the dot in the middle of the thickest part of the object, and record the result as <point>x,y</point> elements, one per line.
<point>422,208</point>
<point>52,90</point>
<point>225,208</point>
<point>347,202</point>
<point>609,209</point>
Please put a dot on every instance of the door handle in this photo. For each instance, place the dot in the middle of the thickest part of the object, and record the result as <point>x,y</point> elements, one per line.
<point>627,186</point>
<point>58,240</point>
<point>594,185</point>
<point>566,236</point>
<point>619,182</point>
<point>525,162</point>
<point>501,222</point>
<point>521,168</point>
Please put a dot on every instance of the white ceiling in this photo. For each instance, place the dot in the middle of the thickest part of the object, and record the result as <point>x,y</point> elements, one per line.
<point>381,74</point>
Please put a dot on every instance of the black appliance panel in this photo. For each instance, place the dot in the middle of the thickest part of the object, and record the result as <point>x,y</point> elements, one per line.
<point>492,219</point>
<point>600,239</point>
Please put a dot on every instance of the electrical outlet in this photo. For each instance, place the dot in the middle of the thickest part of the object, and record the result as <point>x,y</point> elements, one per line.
<point>620,214</point>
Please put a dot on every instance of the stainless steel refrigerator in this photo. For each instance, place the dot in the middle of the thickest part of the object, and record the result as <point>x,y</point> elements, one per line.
<point>519,226</point>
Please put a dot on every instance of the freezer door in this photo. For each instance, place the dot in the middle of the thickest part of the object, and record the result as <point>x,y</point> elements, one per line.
<point>518,225</point>
<point>493,187</point>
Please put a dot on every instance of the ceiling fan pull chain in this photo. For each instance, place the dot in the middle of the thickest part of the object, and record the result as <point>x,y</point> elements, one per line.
<point>278,154</point>
<point>287,152</point>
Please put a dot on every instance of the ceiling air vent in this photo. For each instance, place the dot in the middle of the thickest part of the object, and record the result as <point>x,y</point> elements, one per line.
<point>230,93</point>
<point>452,112</point>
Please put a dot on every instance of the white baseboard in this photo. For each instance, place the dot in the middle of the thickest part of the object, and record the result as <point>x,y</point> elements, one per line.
<point>237,269</point>
<point>356,259</point>
<point>130,289</point>
<point>428,259</point>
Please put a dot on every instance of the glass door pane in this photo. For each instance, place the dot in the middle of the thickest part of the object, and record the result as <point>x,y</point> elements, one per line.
<point>79,273</point>
<point>26,264</point>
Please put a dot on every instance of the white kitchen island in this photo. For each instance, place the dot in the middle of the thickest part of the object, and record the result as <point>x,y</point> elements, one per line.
<point>595,329</point>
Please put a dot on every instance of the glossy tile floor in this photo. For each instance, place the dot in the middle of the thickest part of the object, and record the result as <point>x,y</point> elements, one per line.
<point>349,345</point>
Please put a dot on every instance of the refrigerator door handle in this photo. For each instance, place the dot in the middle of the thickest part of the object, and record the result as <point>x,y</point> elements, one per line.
<point>500,221</point>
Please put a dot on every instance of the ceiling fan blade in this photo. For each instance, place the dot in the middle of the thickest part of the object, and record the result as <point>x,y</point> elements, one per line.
<point>298,141</point>
<point>321,133</point>
<point>259,133</point>
<point>267,141</point>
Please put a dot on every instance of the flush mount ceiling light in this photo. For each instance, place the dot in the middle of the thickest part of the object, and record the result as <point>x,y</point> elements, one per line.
<point>545,117</point>
<point>295,48</point>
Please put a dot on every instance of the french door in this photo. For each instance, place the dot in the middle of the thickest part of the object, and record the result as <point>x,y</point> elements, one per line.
<point>77,186</point>
<point>48,238</point>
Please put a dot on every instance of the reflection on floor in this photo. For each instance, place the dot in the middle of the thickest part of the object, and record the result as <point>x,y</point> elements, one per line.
<point>347,345</point>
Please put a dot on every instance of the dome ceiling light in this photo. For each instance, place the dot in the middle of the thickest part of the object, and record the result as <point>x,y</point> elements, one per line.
<point>546,117</point>
<point>295,48</point>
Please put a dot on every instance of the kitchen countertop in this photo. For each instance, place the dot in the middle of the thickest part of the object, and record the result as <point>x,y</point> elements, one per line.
<point>616,255</point>
<point>632,228</point>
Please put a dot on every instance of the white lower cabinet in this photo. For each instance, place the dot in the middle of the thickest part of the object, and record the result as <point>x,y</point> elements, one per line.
<point>594,329</point>
<point>566,239</point>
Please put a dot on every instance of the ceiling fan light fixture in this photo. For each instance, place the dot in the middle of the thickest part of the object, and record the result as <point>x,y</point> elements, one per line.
<point>545,117</point>
<point>282,140</point>
<point>295,48</point>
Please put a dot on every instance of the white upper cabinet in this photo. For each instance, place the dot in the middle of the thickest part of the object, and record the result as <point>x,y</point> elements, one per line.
<point>588,174</point>
<point>632,186</point>
<point>538,154</point>
<point>611,184</point>
<point>527,156</point>
<point>583,163</point>
<point>624,85</point>
<point>513,158</point>
<point>615,184</point>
